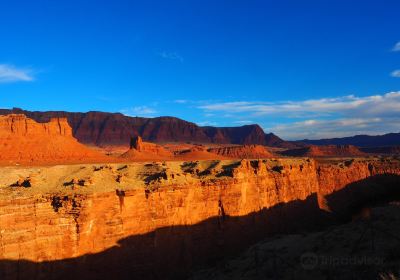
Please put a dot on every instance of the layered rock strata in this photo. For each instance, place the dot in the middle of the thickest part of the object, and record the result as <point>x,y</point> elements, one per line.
<point>115,129</point>
<point>245,151</point>
<point>160,220</point>
<point>22,140</point>
<point>325,151</point>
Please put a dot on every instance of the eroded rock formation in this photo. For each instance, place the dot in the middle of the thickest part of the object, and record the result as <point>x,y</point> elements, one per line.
<point>325,151</point>
<point>145,151</point>
<point>109,129</point>
<point>22,140</point>
<point>245,151</point>
<point>160,220</point>
<point>197,152</point>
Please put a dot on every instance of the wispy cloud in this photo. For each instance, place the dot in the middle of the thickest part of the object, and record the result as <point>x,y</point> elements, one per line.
<point>395,73</point>
<point>171,56</point>
<point>207,123</point>
<point>10,73</point>
<point>396,47</point>
<point>317,118</point>
<point>243,122</point>
<point>139,111</point>
<point>345,105</point>
<point>318,129</point>
<point>181,101</point>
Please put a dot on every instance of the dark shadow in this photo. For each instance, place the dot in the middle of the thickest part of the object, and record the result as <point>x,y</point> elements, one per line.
<point>173,252</point>
<point>227,170</point>
<point>370,192</point>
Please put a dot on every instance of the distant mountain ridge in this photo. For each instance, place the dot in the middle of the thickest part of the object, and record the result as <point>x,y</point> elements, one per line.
<point>116,129</point>
<point>390,139</point>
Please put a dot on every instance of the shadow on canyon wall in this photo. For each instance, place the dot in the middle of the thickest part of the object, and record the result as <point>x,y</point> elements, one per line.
<point>172,252</point>
<point>372,191</point>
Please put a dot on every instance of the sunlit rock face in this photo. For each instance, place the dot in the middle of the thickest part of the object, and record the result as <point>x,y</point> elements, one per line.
<point>23,140</point>
<point>21,126</point>
<point>115,129</point>
<point>325,151</point>
<point>160,220</point>
<point>244,151</point>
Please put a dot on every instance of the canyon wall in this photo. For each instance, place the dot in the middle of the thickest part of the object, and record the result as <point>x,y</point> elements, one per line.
<point>166,230</point>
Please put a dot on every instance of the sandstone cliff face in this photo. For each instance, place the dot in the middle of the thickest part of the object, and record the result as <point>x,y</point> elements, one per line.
<point>108,129</point>
<point>23,141</point>
<point>21,126</point>
<point>245,151</point>
<point>332,177</point>
<point>325,151</point>
<point>180,219</point>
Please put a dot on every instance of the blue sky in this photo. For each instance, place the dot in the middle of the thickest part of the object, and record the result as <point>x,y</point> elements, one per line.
<point>301,69</point>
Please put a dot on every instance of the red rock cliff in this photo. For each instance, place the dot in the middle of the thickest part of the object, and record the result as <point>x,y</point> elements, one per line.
<point>20,126</point>
<point>23,140</point>
<point>245,151</point>
<point>108,129</point>
<point>325,151</point>
<point>177,220</point>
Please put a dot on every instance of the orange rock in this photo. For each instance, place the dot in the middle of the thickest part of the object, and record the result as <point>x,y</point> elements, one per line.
<point>325,151</point>
<point>245,151</point>
<point>22,140</point>
<point>197,152</point>
<point>128,232</point>
<point>142,151</point>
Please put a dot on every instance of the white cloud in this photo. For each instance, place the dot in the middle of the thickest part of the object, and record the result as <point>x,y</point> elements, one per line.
<point>345,105</point>
<point>171,56</point>
<point>395,73</point>
<point>318,129</point>
<point>9,74</point>
<point>318,118</point>
<point>137,111</point>
<point>396,47</point>
<point>207,123</point>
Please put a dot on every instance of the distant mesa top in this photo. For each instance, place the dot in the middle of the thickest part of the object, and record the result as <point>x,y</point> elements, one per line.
<point>325,151</point>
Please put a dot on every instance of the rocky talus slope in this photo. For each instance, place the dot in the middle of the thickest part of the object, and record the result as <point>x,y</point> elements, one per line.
<point>161,220</point>
<point>142,151</point>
